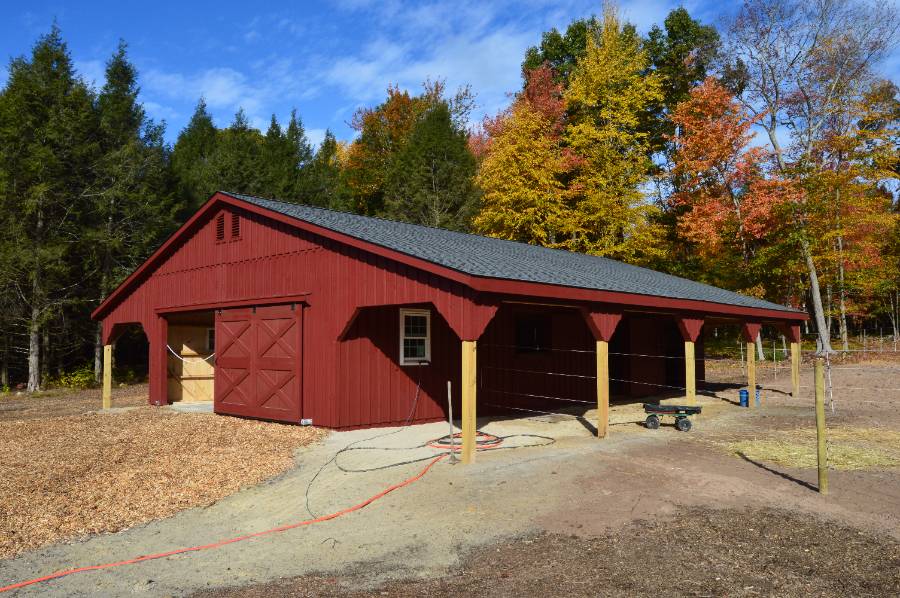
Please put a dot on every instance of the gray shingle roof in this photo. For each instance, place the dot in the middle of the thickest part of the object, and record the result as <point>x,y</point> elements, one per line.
<point>510,260</point>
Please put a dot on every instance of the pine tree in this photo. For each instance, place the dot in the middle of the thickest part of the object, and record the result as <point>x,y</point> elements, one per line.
<point>384,132</point>
<point>48,131</point>
<point>235,163</point>
<point>132,206</point>
<point>191,158</point>
<point>431,179</point>
<point>284,156</point>
<point>322,184</point>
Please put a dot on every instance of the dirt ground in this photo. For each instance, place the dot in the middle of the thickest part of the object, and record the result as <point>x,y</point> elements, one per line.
<point>698,552</point>
<point>641,512</point>
<point>67,469</point>
<point>55,403</point>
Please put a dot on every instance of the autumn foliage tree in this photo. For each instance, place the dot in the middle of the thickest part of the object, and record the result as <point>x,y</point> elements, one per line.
<point>724,198</point>
<point>384,131</point>
<point>522,166</point>
<point>852,214</point>
<point>606,99</point>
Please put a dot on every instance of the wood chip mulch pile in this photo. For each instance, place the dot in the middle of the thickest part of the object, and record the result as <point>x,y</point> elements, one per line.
<point>66,476</point>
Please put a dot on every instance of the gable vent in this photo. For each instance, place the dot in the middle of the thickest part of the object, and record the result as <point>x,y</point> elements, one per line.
<point>220,227</point>
<point>235,226</point>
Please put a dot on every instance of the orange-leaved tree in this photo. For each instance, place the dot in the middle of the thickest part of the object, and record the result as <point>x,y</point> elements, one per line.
<point>724,200</point>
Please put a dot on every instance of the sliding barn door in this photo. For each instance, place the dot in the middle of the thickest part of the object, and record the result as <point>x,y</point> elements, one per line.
<point>259,354</point>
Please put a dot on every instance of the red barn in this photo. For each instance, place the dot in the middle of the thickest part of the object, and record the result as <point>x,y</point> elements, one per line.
<point>288,312</point>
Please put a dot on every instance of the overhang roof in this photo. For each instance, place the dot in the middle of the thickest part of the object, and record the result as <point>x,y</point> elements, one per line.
<point>494,264</point>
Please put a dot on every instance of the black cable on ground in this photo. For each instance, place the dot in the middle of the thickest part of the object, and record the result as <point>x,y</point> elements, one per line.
<point>377,436</point>
<point>430,444</point>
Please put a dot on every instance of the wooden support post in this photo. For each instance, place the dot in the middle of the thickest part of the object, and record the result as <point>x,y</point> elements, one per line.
<point>751,373</point>
<point>690,376</point>
<point>820,427</point>
<point>602,389</point>
<point>107,376</point>
<point>795,369</point>
<point>468,401</point>
<point>690,327</point>
<point>602,323</point>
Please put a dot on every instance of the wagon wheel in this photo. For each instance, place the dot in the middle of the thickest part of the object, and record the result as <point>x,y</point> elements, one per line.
<point>683,424</point>
<point>652,422</point>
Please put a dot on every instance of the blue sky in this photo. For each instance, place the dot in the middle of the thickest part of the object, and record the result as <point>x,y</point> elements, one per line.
<point>325,59</point>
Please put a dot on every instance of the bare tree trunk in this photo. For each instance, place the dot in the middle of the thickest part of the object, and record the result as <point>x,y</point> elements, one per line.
<point>845,336</point>
<point>830,309</point>
<point>45,356</point>
<point>895,314</point>
<point>816,294</point>
<point>34,325</point>
<point>759,348</point>
<point>105,276</point>
<point>842,289</point>
<point>4,363</point>
<point>98,353</point>
<point>34,351</point>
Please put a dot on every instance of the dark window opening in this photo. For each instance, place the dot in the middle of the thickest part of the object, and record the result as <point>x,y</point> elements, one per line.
<point>235,226</point>
<point>220,227</point>
<point>532,333</point>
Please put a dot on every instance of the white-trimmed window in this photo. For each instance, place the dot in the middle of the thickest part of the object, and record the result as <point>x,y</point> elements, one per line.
<point>415,337</point>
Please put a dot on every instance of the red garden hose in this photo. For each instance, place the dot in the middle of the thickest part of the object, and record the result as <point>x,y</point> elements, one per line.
<point>274,530</point>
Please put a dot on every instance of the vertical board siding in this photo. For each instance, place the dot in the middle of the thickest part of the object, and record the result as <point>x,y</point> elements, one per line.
<point>357,381</point>
<point>346,383</point>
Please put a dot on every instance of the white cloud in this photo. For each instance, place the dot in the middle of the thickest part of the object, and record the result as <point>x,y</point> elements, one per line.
<point>222,88</point>
<point>464,43</point>
<point>337,60</point>
<point>160,112</point>
<point>315,136</point>
<point>92,71</point>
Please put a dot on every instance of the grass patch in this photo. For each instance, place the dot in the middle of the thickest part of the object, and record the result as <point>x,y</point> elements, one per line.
<point>848,448</point>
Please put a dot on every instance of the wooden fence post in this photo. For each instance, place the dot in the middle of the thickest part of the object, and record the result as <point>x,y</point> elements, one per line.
<point>820,427</point>
<point>107,376</point>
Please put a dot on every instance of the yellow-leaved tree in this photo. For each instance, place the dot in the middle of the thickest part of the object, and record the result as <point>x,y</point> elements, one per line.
<point>609,91</point>
<point>521,166</point>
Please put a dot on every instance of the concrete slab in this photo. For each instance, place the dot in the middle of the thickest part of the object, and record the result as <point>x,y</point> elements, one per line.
<point>198,407</point>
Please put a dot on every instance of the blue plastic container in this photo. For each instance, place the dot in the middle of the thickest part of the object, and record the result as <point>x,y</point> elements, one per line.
<point>745,397</point>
